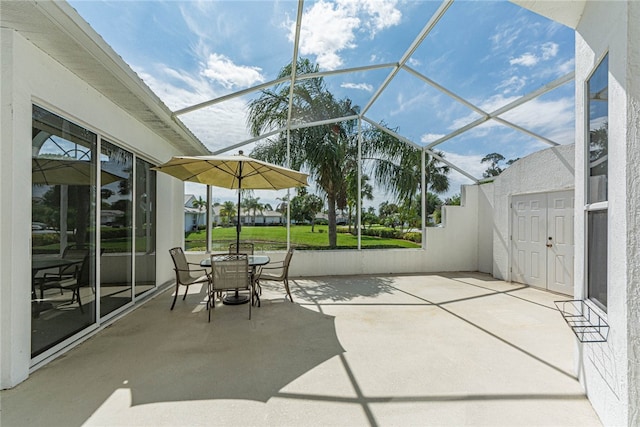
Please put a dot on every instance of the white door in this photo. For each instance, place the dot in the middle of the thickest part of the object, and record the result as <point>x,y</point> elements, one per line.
<point>542,240</point>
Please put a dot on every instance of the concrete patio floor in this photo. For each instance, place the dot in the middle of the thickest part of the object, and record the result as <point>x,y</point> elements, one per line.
<point>450,349</point>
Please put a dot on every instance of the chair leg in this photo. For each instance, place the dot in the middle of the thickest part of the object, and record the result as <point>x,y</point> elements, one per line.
<point>211,300</point>
<point>76,294</point>
<point>185,292</point>
<point>286,286</point>
<point>175,296</point>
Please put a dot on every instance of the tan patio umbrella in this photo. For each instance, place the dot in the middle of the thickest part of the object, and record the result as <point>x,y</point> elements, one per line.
<point>234,172</point>
<point>66,171</point>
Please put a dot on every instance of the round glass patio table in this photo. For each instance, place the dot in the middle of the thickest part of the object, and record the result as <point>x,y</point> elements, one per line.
<point>253,261</point>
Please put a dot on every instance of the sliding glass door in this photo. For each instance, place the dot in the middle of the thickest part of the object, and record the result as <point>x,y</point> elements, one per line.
<point>63,231</point>
<point>71,215</point>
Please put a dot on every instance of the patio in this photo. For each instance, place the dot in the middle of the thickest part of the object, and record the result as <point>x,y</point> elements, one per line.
<point>434,349</point>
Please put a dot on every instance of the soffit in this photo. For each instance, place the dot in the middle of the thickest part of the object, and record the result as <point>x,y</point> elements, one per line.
<point>56,29</point>
<point>567,12</point>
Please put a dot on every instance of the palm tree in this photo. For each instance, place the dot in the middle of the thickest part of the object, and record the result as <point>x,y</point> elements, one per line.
<point>199,204</point>
<point>252,204</point>
<point>329,152</point>
<point>228,210</point>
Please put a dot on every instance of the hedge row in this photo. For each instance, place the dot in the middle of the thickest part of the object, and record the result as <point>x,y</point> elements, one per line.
<point>386,233</point>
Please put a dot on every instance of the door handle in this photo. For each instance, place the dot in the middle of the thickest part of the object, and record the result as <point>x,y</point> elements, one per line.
<point>549,244</point>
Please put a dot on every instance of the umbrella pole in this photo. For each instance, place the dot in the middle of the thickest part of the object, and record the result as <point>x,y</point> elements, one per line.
<point>238,227</point>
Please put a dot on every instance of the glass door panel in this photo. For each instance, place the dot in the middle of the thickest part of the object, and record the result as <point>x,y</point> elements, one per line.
<point>62,230</point>
<point>145,227</point>
<point>116,220</point>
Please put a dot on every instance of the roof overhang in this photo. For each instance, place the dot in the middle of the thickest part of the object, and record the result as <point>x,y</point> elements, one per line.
<point>566,12</point>
<point>59,31</point>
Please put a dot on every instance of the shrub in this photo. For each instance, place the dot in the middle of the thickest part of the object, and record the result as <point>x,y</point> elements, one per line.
<point>413,236</point>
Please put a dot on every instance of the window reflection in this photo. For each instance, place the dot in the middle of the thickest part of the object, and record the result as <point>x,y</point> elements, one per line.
<point>598,133</point>
<point>116,220</point>
<point>63,236</point>
<point>145,226</point>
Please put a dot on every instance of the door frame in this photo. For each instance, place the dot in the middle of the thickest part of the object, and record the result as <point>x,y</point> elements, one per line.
<point>510,198</point>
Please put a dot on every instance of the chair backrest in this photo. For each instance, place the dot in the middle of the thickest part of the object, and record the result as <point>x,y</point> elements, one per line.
<point>84,274</point>
<point>243,248</point>
<point>76,251</point>
<point>287,261</point>
<point>230,271</point>
<point>181,266</point>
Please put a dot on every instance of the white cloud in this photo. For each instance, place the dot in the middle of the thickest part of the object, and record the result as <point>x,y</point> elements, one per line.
<point>414,62</point>
<point>223,71</point>
<point>430,137</point>
<point>329,28</point>
<point>566,67</point>
<point>553,119</point>
<point>359,86</point>
<point>549,50</point>
<point>512,85</point>
<point>527,60</point>
<point>470,163</point>
<point>381,14</point>
<point>216,126</point>
<point>505,36</point>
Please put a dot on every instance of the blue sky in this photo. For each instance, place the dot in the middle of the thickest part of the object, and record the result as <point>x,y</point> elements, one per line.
<point>489,53</point>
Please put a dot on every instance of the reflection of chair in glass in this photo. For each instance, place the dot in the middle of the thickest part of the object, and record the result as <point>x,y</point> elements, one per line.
<point>243,248</point>
<point>73,252</point>
<point>277,272</point>
<point>81,277</point>
<point>185,275</point>
<point>228,273</point>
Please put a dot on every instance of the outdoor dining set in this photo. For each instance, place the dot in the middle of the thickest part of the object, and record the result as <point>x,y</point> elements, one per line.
<point>234,276</point>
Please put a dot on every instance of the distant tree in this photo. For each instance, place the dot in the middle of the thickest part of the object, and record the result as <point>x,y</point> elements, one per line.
<point>389,214</point>
<point>494,168</point>
<point>454,200</point>
<point>251,203</point>
<point>369,217</point>
<point>494,160</point>
<point>228,211</point>
<point>201,205</point>
<point>305,207</point>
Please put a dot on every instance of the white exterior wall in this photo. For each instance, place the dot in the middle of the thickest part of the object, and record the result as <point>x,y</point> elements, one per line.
<point>609,371</point>
<point>486,227</point>
<point>544,171</point>
<point>31,76</point>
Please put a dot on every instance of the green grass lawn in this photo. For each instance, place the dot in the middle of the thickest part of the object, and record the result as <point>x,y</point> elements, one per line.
<point>275,237</point>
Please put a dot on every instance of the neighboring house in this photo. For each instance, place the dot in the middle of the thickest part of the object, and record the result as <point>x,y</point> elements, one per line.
<point>264,217</point>
<point>194,217</point>
<point>340,219</point>
<point>112,217</point>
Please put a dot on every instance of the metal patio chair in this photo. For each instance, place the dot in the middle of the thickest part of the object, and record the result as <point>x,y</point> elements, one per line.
<point>185,275</point>
<point>278,272</point>
<point>229,272</point>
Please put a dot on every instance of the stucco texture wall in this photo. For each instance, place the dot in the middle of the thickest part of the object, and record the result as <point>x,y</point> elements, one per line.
<point>607,370</point>
<point>633,211</point>
<point>548,170</point>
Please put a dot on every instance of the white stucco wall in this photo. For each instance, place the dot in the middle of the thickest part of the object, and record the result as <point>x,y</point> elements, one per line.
<point>486,227</point>
<point>548,170</point>
<point>633,212</point>
<point>31,76</point>
<point>607,370</point>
